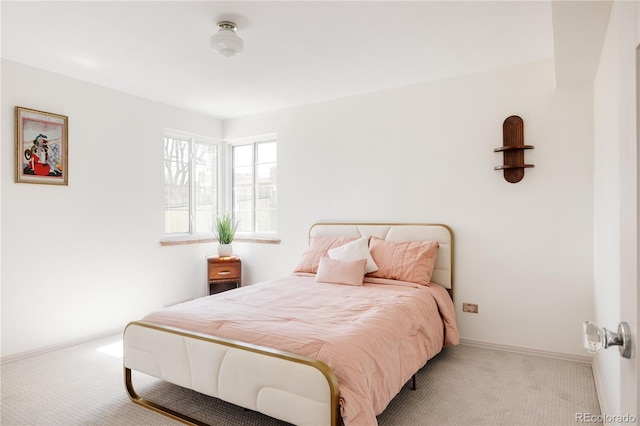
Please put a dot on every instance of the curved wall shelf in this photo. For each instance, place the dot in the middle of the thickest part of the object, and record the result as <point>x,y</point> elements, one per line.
<point>513,149</point>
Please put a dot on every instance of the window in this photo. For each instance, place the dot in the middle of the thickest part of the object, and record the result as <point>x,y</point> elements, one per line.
<point>254,186</point>
<point>191,169</point>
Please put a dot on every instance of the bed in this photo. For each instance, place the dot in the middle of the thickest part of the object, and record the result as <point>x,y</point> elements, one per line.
<point>334,342</point>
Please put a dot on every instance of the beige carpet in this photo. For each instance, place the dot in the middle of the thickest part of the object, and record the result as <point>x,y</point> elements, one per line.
<point>463,385</point>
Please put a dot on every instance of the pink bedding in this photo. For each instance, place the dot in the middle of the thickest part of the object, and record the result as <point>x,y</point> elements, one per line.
<point>374,337</point>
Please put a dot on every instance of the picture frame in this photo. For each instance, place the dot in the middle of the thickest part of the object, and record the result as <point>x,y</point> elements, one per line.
<point>42,150</point>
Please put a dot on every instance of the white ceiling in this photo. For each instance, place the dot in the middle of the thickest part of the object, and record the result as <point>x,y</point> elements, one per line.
<point>296,52</point>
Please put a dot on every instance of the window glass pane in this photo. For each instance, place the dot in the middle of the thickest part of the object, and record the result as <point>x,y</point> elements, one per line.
<point>205,186</point>
<point>242,155</point>
<point>266,198</point>
<point>177,181</point>
<point>266,152</point>
<point>242,191</point>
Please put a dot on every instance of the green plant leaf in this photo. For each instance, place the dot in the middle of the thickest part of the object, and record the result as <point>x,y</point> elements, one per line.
<point>225,228</point>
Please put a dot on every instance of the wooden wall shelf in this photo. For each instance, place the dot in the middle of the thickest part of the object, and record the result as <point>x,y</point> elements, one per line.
<point>513,149</point>
<point>514,166</point>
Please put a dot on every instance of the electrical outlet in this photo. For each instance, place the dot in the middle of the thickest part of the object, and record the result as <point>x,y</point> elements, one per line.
<point>470,307</point>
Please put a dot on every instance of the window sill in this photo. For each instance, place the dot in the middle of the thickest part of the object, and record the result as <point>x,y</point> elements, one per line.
<point>203,240</point>
<point>258,240</point>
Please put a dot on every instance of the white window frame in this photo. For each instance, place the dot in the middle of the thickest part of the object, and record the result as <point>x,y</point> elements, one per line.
<point>193,139</point>
<point>253,140</point>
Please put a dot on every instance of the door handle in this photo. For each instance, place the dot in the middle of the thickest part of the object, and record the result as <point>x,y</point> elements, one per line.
<point>596,338</point>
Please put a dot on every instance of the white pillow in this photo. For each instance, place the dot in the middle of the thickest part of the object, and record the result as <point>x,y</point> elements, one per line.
<point>358,249</point>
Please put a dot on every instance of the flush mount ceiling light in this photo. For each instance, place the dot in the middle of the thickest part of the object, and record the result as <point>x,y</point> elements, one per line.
<point>226,42</point>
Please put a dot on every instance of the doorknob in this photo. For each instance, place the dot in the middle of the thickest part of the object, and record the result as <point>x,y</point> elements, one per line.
<point>598,338</point>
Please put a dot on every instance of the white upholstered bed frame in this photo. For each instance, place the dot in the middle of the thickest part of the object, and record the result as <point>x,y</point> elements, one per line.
<point>286,386</point>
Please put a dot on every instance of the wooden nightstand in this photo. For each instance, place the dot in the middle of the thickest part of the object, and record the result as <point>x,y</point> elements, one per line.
<point>223,273</point>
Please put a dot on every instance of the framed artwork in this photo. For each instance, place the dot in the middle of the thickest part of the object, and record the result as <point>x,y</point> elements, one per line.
<point>42,152</point>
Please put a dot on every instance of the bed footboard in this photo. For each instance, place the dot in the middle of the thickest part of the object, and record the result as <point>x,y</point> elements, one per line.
<point>289,387</point>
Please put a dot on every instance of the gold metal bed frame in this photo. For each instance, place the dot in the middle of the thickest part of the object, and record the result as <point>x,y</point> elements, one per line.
<point>444,263</point>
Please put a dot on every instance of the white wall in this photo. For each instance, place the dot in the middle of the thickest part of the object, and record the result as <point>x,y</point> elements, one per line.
<point>615,196</point>
<point>424,153</point>
<point>85,258</point>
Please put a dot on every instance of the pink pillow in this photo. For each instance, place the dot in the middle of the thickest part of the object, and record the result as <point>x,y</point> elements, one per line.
<point>318,248</point>
<point>411,261</point>
<point>337,271</point>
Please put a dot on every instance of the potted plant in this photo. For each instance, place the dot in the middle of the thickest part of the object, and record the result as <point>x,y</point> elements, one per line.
<point>225,230</point>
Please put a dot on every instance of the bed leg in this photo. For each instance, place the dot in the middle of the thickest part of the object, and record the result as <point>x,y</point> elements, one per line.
<point>414,379</point>
<point>156,407</point>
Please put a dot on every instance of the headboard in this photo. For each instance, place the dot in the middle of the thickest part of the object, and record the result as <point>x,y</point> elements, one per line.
<point>443,270</point>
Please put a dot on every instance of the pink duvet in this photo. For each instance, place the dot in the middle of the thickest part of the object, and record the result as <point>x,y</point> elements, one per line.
<point>374,337</point>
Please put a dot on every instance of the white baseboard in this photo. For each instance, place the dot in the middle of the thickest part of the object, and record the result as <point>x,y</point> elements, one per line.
<point>62,345</point>
<point>527,351</point>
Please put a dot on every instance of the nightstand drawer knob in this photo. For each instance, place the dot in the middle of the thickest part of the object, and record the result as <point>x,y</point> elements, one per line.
<point>224,272</point>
